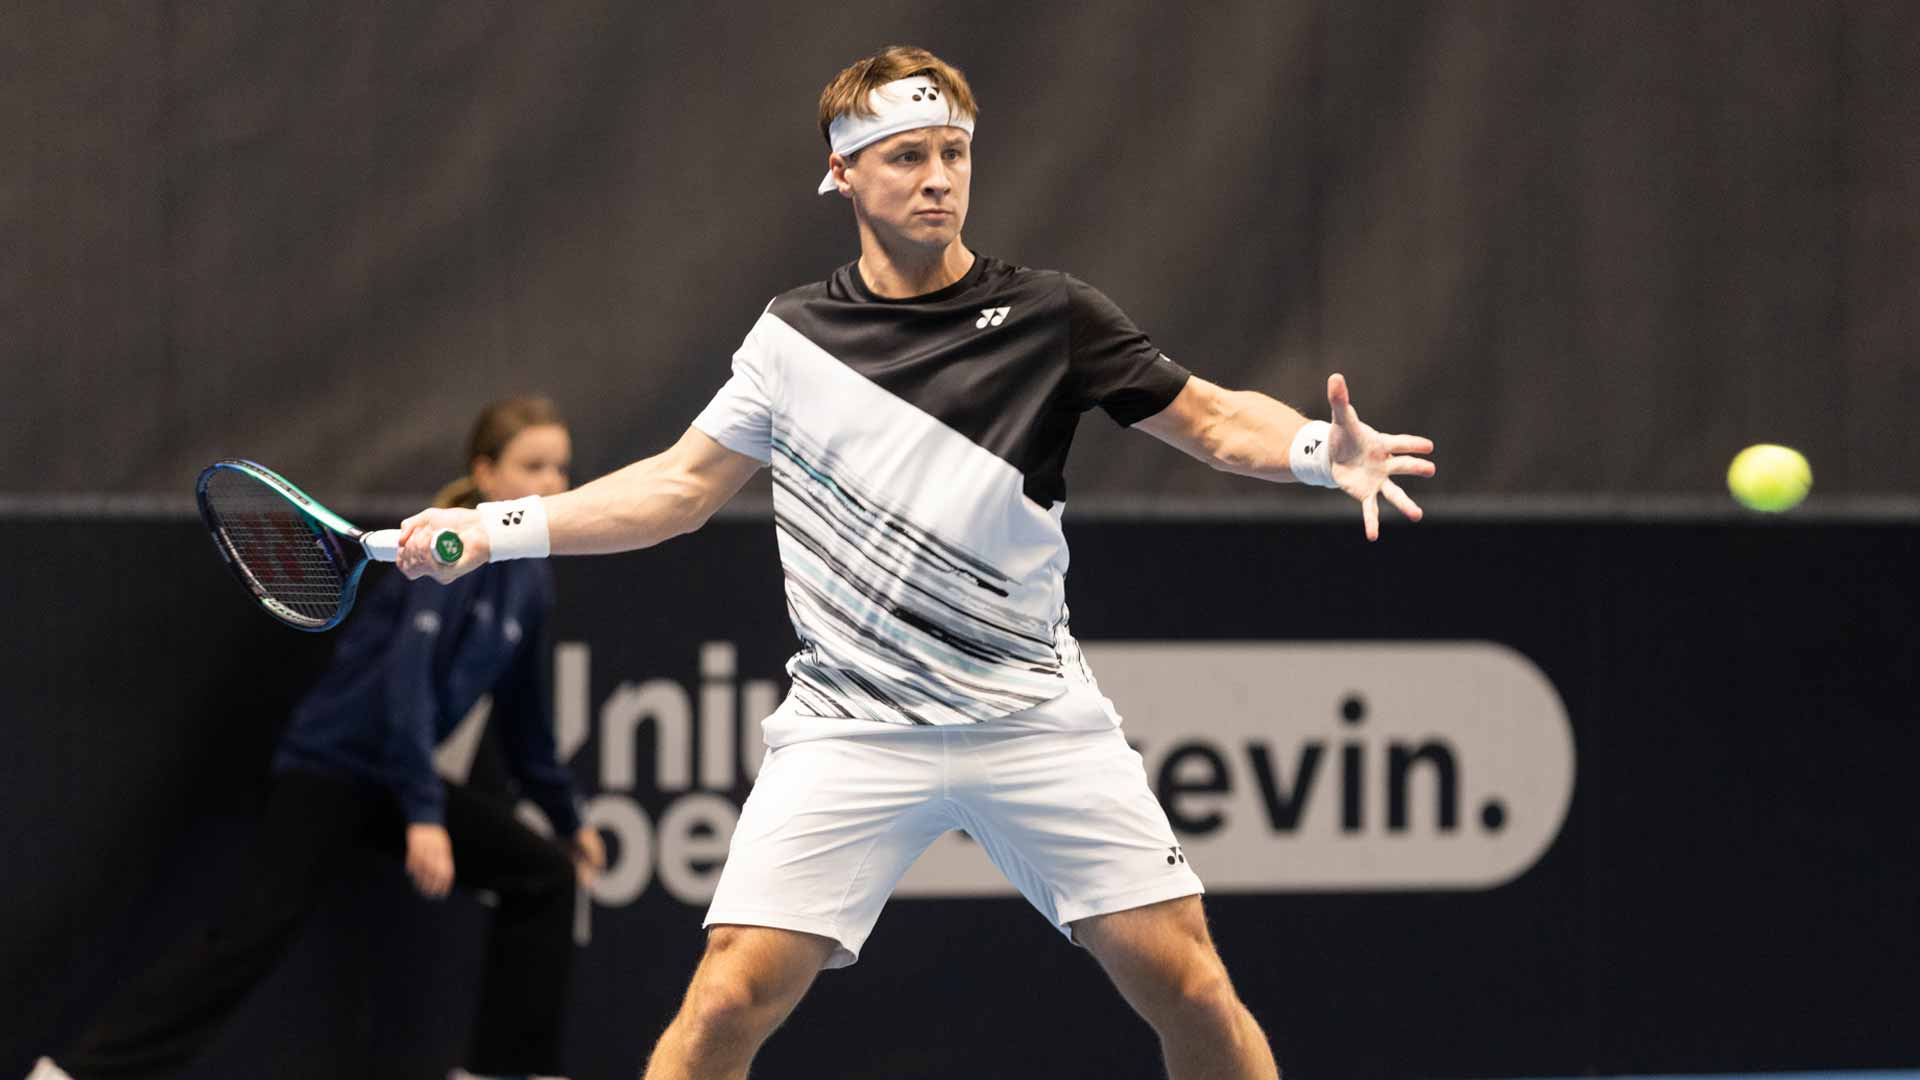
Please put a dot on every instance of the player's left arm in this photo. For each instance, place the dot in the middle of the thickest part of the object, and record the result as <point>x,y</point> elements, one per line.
<point>1251,434</point>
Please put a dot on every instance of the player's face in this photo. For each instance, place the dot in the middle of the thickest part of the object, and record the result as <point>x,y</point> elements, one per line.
<point>534,462</point>
<point>914,186</point>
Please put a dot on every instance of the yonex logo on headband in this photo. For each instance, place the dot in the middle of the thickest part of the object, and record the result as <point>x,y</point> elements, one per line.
<point>902,105</point>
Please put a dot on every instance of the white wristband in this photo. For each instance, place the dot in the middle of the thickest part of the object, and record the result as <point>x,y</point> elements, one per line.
<point>1309,458</point>
<point>516,529</point>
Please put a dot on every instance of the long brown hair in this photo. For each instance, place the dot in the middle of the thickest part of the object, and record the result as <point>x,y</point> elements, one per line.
<point>499,422</point>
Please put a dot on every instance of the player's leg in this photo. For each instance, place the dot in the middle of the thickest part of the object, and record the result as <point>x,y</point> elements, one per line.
<point>163,1018</point>
<point>1163,962</point>
<point>523,990</point>
<point>1069,817</point>
<point>748,981</point>
<point>829,828</point>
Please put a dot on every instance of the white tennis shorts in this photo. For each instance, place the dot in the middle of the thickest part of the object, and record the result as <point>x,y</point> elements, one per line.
<point>832,824</point>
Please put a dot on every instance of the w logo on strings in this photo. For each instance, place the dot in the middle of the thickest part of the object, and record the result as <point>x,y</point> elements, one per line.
<point>992,316</point>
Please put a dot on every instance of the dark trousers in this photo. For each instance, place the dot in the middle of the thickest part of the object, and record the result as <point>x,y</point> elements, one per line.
<point>313,825</point>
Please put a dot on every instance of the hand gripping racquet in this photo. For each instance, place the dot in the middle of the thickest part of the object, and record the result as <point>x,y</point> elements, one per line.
<point>300,560</point>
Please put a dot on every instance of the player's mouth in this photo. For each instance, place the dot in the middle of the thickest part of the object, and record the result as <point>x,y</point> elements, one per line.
<point>934,213</point>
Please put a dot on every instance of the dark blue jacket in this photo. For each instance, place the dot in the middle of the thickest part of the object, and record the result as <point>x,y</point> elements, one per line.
<point>412,660</point>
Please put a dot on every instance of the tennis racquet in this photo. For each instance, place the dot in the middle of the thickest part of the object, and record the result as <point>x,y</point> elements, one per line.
<point>300,560</point>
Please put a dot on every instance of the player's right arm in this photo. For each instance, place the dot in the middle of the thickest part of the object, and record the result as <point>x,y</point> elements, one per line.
<point>648,502</point>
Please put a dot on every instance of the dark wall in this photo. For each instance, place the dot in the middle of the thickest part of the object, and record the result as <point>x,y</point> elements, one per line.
<point>1732,888</point>
<point>1591,248</point>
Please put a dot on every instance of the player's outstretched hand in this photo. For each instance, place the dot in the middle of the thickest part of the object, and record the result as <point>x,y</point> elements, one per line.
<point>417,533</point>
<point>1366,461</point>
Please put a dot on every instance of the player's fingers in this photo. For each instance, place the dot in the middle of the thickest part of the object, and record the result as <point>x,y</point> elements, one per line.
<point>1409,444</point>
<point>1370,515</point>
<point>1401,501</point>
<point>1409,466</point>
<point>1339,402</point>
<point>419,552</point>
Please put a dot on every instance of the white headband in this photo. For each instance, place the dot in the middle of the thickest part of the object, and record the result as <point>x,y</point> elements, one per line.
<point>902,105</point>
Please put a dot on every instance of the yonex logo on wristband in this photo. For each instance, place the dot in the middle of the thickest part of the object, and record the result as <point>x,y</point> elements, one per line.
<point>515,530</point>
<point>1312,448</point>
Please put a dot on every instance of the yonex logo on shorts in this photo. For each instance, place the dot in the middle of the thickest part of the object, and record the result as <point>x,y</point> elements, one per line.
<point>992,316</point>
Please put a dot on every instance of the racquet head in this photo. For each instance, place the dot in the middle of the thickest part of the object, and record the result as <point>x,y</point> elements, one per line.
<point>301,561</point>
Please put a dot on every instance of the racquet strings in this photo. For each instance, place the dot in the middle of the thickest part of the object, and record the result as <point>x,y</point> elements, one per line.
<point>289,561</point>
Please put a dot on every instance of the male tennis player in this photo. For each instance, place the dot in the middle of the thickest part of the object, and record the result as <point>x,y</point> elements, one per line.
<point>916,409</point>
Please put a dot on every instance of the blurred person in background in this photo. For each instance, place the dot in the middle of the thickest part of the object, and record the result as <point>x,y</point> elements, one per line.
<point>355,769</point>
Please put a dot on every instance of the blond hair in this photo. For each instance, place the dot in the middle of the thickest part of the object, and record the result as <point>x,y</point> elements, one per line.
<point>498,423</point>
<point>847,93</point>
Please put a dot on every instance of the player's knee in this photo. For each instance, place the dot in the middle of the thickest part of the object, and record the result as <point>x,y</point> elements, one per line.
<point>1209,996</point>
<point>1200,996</point>
<point>738,992</point>
<point>720,1011</point>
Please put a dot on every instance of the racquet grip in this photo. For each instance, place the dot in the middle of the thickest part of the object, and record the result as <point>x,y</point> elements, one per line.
<point>384,545</point>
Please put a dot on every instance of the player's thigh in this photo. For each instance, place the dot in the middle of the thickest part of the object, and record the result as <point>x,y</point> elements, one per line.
<point>1071,820</point>
<point>826,833</point>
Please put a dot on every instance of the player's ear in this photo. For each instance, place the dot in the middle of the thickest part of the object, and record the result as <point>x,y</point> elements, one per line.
<point>837,165</point>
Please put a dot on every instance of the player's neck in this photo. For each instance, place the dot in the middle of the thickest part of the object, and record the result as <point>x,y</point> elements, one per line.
<point>898,275</point>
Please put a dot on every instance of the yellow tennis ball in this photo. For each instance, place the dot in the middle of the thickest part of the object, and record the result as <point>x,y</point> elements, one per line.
<point>1768,477</point>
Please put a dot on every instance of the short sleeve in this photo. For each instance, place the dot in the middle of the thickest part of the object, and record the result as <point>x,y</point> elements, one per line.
<point>740,416</point>
<point>1112,363</point>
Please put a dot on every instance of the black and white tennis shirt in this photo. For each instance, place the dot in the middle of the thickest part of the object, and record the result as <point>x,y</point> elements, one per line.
<point>917,449</point>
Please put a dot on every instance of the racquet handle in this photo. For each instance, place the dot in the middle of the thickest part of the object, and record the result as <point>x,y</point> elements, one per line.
<point>384,546</point>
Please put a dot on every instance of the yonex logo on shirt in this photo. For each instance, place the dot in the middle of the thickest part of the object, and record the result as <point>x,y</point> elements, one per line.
<point>992,316</point>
